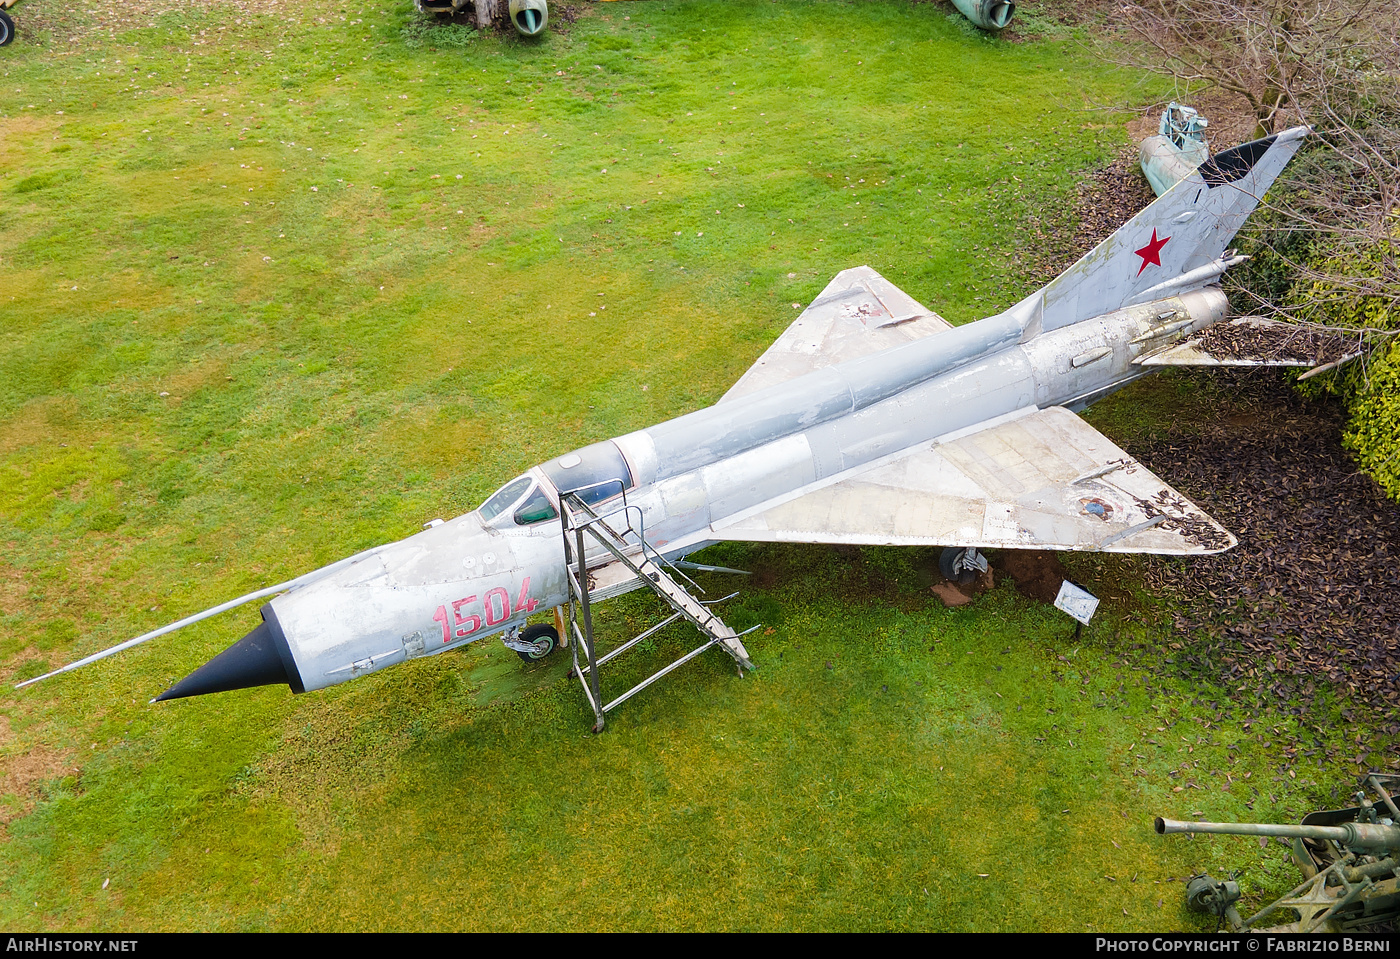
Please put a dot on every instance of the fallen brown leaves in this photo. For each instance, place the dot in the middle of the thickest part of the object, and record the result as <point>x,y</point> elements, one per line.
<point>1106,200</point>
<point>1276,343</point>
<point>1310,597</point>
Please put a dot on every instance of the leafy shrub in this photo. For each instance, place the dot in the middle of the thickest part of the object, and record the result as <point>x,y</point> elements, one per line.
<point>1351,297</point>
<point>1373,430</point>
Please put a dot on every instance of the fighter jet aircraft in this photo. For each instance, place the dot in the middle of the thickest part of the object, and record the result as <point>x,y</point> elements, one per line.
<point>870,420</point>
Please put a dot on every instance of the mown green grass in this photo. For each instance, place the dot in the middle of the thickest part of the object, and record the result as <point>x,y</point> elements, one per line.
<point>245,331</point>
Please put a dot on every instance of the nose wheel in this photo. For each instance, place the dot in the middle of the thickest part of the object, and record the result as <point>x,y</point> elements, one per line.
<point>533,643</point>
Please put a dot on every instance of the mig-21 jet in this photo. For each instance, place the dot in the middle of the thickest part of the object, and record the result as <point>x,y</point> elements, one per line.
<point>870,420</point>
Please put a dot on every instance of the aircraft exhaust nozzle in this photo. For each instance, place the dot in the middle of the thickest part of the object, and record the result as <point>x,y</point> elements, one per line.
<point>261,658</point>
<point>987,14</point>
<point>529,16</point>
<point>1001,14</point>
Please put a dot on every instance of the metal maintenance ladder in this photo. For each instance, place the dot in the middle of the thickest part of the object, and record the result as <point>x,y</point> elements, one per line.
<point>634,563</point>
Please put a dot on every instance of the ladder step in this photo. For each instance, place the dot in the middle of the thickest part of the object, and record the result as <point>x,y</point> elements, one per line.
<point>693,610</point>
<point>614,579</point>
<point>637,639</point>
<point>658,674</point>
<point>634,564</point>
<point>668,589</point>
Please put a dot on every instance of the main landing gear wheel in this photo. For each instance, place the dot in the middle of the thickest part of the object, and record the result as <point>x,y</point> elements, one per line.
<point>7,28</point>
<point>961,565</point>
<point>542,633</point>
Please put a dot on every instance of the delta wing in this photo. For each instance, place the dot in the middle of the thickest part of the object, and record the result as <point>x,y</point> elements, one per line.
<point>1031,479</point>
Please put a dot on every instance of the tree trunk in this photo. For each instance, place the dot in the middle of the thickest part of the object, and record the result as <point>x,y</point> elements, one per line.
<point>485,13</point>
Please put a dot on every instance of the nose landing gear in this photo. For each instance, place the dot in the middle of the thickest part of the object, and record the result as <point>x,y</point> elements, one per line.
<point>532,643</point>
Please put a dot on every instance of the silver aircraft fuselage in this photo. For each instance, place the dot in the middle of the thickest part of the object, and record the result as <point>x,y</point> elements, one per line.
<point>473,576</point>
<point>869,420</point>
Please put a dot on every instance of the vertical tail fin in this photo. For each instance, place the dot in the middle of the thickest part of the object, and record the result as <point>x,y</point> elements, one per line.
<point>1173,245</point>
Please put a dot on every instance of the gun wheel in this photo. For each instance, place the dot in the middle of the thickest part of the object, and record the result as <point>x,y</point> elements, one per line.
<point>536,634</point>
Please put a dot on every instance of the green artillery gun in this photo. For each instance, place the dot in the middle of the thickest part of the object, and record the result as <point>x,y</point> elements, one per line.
<point>1350,860</point>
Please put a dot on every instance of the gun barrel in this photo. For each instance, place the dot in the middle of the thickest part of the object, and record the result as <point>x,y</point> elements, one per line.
<point>1363,836</point>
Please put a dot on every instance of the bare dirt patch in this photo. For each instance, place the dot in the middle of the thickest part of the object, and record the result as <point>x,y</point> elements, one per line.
<point>21,774</point>
<point>950,594</point>
<point>1037,573</point>
<point>960,594</point>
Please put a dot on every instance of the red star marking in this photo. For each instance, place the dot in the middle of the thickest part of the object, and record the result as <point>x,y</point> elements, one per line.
<point>1149,252</point>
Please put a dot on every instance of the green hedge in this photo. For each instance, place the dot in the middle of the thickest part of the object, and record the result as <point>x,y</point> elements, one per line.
<point>1370,388</point>
<point>1373,431</point>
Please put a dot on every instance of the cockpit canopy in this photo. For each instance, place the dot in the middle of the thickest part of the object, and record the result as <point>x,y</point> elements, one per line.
<point>596,472</point>
<point>523,493</point>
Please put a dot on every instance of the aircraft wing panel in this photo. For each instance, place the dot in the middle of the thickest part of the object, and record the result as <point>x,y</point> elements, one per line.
<point>859,313</point>
<point>1035,479</point>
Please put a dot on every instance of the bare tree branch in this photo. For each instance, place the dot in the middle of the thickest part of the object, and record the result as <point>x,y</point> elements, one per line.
<point>1332,225</point>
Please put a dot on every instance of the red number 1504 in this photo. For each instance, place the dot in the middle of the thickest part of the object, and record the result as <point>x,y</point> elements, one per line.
<point>495,605</point>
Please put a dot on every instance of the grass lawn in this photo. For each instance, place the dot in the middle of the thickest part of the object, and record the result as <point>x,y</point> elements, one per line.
<point>280,282</point>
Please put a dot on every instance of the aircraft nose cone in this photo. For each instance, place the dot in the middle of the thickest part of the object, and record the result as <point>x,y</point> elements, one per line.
<point>255,660</point>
